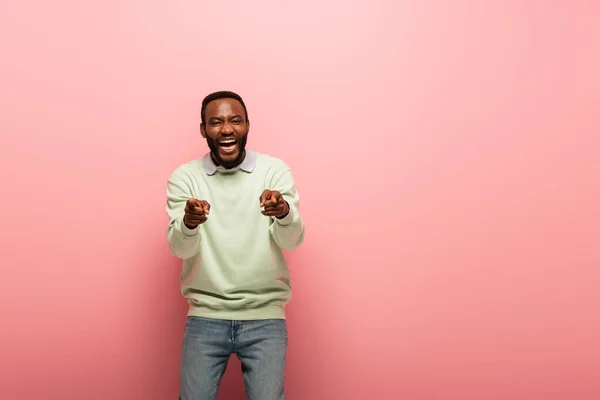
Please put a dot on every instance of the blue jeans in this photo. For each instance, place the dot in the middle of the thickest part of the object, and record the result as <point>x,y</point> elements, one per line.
<point>260,346</point>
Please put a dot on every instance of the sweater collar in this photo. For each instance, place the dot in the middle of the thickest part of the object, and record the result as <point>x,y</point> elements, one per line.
<point>247,164</point>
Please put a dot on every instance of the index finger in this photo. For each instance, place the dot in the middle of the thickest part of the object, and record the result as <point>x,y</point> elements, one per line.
<point>191,204</point>
<point>264,196</point>
<point>206,206</point>
<point>277,197</point>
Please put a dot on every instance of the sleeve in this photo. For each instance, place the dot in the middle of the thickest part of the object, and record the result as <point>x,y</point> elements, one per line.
<point>183,242</point>
<point>288,232</point>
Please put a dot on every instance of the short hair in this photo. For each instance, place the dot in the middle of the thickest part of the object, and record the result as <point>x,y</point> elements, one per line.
<point>223,94</point>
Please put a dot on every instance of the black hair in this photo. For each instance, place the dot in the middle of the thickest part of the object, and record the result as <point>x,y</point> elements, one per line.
<point>224,94</point>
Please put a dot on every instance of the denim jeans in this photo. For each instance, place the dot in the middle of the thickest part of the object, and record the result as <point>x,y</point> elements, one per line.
<point>260,345</point>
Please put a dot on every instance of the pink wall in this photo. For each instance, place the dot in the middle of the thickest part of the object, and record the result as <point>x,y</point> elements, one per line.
<point>447,155</point>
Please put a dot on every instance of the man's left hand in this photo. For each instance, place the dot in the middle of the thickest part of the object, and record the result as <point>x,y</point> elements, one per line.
<point>274,204</point>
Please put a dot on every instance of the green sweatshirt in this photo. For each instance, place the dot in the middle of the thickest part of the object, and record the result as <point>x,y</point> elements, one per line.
<point>233,264</point>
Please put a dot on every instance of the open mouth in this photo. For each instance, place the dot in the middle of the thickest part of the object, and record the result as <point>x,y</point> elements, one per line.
<point>228,145</point>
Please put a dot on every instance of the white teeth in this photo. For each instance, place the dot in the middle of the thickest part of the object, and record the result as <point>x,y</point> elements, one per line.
<point>227,141</point>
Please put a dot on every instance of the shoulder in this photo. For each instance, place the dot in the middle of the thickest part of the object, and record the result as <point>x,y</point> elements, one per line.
<point>270,162</point>
<point>274,170</point>
<point>188,169</point>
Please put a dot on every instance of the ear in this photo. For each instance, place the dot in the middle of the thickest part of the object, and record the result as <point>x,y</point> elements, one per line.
<point>247,125</point>
<point>203,130</point>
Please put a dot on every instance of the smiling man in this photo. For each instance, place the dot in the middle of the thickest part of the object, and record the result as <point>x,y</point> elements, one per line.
<point>231,213</point>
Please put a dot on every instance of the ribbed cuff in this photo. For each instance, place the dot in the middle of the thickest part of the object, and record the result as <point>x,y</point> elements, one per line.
<point>187,231</point>
<point>288,219</point>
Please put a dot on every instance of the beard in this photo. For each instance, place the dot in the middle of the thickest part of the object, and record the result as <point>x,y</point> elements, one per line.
<point>213,145</point>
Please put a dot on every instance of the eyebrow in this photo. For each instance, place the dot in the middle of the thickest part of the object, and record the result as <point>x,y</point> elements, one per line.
<point>221,118</point>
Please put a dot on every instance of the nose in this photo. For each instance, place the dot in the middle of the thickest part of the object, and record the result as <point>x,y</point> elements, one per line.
<point>227,128</point>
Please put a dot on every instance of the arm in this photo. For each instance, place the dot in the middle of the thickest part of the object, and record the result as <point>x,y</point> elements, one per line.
<point>288,232</point>
<point>183,241</point>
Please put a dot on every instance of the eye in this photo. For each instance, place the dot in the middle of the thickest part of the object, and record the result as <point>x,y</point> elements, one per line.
<point>236,121</point>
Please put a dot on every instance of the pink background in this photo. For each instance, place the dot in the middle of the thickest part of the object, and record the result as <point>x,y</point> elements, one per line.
<point>447,155</point>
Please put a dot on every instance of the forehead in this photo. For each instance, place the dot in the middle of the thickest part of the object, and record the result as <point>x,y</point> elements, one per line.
<point>224,108</point>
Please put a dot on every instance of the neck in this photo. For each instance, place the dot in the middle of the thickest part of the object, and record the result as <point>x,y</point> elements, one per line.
<point>238,162</point>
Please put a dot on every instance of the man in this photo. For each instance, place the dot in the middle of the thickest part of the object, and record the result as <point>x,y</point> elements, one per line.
<point>231,214</point>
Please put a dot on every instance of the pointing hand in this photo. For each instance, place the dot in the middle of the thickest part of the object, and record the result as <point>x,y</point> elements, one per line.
<point>274,204</point>
<point>196,213</point>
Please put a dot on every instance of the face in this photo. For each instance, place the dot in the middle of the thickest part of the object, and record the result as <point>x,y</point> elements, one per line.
<point>226,131</point>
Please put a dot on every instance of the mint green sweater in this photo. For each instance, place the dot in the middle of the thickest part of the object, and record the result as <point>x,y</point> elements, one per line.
<point>233,264</point>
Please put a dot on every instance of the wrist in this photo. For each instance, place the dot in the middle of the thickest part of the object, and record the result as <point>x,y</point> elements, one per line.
<point>287,212</point>
<point>188,230</point>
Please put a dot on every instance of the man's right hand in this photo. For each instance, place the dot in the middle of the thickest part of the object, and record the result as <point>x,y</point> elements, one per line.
<point>196,213</point>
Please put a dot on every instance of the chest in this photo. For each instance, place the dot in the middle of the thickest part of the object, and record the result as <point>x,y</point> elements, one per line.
<point>234,200</point>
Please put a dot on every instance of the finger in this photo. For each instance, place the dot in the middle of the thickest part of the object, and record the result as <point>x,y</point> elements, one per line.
<point>275,207</point>
<point>276,197</point>
<point>194,217</point>
<point>266,194</point>
<point>190,204</point>
<point>274,213</point>
<point>205,206</point>
<point>197,210</point>
<point>280,207</point>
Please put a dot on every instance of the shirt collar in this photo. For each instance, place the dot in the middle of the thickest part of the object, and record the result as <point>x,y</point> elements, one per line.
<point>247,164</point>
